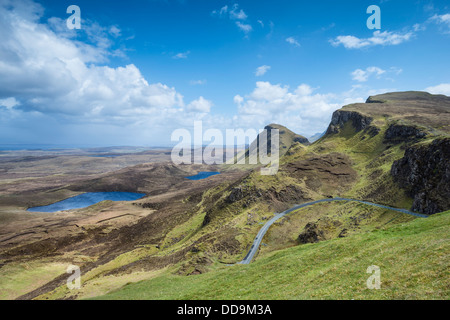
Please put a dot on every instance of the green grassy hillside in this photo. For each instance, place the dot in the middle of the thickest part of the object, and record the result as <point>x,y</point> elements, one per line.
<point>413,257</point>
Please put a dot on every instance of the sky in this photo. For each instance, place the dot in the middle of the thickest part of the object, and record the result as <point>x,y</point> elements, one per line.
<point>137,70</point>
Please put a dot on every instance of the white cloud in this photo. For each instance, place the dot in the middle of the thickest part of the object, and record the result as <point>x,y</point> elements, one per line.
<point>244,27</point>
<point>238,100</point>
<point>47,76</point>
<point>443,20</point>
<point>395,70</point>
<point>260,71</point>
<point>419,27</point>
<point>223,10</point>
<point>268,92</point>
<point>200,105</point>
<point>300,109</point>
<point>197,82</point>
<point>363,75</point>
<point>181,55</point>
<point>9,103</point>
<point>385,38</point>
<point>304,90</point>
<point>293,41</point>
<point>443,88</point>
<point>115,31</point>
<point>235,14</point>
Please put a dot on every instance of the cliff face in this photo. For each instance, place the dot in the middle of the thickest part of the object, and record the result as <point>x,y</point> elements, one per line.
<point>340,117</point>
<point>401,133</point>
<point>424,172</point>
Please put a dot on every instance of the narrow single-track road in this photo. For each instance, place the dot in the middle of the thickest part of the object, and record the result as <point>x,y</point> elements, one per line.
<point>255,246</point>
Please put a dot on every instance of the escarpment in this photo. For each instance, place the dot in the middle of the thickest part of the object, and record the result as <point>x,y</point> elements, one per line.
<point>424,172</point>
<point>397,133</point>
<point>341,117</point>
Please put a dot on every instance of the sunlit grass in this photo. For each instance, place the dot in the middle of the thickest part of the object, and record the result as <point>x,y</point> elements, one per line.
<point>413,257</point>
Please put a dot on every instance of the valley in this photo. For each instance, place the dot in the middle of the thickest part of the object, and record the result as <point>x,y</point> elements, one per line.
<point>185,238</point>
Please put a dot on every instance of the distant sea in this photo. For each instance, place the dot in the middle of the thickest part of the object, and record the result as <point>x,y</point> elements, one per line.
<point>14,147</point>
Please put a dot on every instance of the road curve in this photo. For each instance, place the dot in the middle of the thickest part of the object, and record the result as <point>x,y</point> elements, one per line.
<point>255,246</point>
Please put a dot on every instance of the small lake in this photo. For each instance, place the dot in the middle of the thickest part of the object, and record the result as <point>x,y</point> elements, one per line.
<point>202,175</point>
<point>87,199</point>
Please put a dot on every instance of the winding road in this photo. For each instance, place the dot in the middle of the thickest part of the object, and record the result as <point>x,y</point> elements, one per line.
<point>255,246</point>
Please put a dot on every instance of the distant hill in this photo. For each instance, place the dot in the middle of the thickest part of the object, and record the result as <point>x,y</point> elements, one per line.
<point>287,139</point>
<point>408,96</point>
<point>316,137</point>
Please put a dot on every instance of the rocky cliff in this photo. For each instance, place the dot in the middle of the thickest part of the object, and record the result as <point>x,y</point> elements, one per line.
<point>341,117</point>
<point>397,133</point>
<point>424,172</point>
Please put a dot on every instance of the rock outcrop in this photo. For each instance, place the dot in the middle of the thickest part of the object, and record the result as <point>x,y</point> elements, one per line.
<point>374,100</point>
<point>311,234</point>
<point>323,229</point>
<point>236,194</point>
<point>424,172</point>
<point>341,117</point>
<point>397,133</point>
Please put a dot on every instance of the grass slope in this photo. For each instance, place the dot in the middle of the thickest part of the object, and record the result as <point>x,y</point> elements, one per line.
<point>413,257</point>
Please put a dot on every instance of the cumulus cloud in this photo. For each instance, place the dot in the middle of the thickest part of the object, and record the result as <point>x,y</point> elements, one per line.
<point>443,88</point>
<point>302,109</point>
<point>385,38</point>
<point>9,103</point>
<point>260,71</point>
<point>200,105</point>
<point>363,75</point>
<point>299,109</point>
<point>46,74</point>
<point>65,79</point>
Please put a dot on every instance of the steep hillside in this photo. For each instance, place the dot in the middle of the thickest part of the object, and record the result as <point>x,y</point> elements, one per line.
<point>416,121</point>
<point>424,172</point>
<point>413,259</point>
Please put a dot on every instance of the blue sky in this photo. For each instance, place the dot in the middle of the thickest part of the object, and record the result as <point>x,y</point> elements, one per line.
<point>138,70</point>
